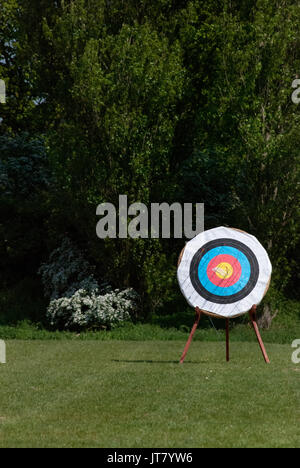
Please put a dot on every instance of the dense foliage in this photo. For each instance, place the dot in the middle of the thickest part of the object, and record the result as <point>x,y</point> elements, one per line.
<point>186,101</point>
<point>77,301</point>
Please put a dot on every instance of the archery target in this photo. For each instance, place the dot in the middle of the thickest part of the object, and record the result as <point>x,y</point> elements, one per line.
<point>224,271</point>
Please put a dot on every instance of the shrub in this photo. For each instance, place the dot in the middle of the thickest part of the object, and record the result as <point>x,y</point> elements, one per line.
<point>76,300</point>
<point>66,272</point>
<point>24,167</point>
<point>90,310</point>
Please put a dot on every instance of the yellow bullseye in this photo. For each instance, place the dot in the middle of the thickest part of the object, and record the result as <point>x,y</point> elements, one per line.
<point>224,270</point>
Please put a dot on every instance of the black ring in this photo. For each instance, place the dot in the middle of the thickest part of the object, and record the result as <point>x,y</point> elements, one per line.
<point>234,297</point>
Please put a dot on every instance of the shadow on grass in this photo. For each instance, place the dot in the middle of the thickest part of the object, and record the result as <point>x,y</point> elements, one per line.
<point>150,361</point>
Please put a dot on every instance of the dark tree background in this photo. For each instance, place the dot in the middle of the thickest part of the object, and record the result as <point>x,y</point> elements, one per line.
<point>186,101</point>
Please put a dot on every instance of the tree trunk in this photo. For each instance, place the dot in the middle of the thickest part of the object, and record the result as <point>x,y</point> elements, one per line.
<point>265,320</point>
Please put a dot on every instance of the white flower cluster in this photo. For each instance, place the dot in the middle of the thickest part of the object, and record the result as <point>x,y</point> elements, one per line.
<point>66,272</point>
<point>90,310</point>
<point>76,300</point>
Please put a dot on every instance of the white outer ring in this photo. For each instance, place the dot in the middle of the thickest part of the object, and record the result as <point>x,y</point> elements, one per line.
<point>224,310</point>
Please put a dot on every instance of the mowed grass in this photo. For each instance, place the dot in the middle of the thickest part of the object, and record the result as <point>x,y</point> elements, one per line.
<point>135,394</point>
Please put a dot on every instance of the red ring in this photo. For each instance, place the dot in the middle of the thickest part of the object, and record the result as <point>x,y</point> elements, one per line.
<point>215,279</point>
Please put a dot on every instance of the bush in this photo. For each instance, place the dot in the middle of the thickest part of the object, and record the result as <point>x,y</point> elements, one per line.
<point>66,272</point>
<point>24,167</point>
<point>90,310</point>
<point>76,299</point>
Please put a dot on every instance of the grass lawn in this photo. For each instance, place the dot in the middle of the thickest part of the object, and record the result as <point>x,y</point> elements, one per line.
<point>135,394</point>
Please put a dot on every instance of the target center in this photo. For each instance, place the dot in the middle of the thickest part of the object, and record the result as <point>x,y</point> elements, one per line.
<point>224,270</point>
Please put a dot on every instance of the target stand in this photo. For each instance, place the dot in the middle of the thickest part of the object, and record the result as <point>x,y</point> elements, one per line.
<point>252,314</point>
<point>224,273</point>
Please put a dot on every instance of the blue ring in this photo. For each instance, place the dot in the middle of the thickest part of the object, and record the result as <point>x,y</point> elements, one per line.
<point>218,290</point>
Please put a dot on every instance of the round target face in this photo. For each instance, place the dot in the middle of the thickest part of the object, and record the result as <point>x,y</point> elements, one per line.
<point>224,271</point>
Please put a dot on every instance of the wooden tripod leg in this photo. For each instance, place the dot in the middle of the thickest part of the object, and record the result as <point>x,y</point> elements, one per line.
<point>197,319</point>
<point>227,339</point>
<point>259,339</point>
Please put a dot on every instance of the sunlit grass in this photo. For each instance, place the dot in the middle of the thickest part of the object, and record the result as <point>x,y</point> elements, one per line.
<point>135,394</point>
<point>25,330</point>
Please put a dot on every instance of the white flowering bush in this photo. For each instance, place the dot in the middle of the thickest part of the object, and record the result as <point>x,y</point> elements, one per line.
<point>90,310</point>
<point>77,301</point>
<point>66,272</point>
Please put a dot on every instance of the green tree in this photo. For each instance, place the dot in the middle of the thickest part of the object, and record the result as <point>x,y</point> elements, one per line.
<point>113,97</point>
<point>247,114</point>
<point>162,101</point>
